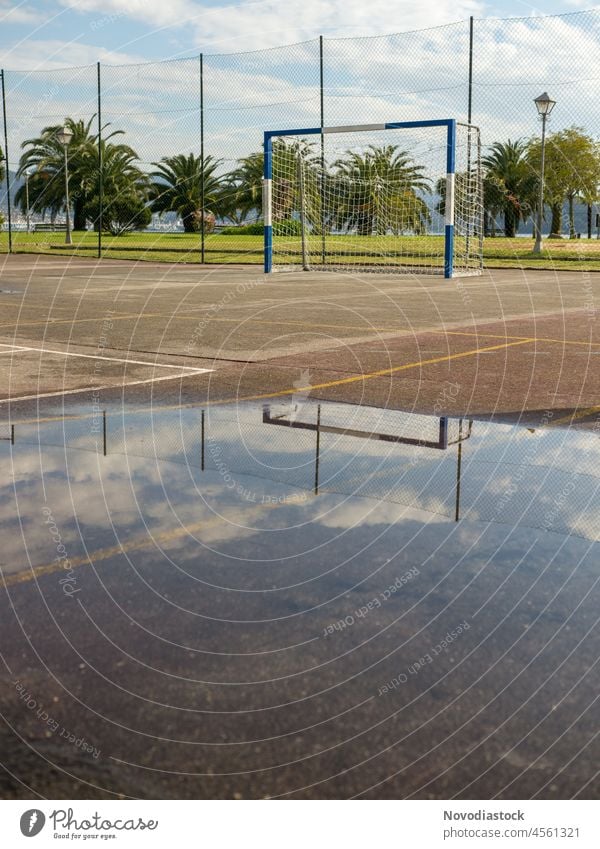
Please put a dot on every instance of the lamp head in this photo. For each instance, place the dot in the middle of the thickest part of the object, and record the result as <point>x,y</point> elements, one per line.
<point>544,105</point>
<point>64,135</point>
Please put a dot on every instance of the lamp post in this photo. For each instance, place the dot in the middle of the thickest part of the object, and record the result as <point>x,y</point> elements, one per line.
<point>27,215</point>
<point>544,107</point>
<point>64,136</point>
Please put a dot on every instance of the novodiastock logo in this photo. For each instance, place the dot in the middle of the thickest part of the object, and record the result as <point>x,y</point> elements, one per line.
<point>32,822</point>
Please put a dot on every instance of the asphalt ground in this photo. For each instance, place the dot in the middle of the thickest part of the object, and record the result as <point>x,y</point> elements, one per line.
<point>147,664</point>
<point>509,344</point>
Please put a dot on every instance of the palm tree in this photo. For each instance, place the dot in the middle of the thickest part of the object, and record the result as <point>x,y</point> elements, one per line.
<point>125,188</point>
<point>510,178</point>
<point>177,187</point>
<point>378,191</point>
<point>242,192</point>
<point>44,160</point>
<point>124,185</point>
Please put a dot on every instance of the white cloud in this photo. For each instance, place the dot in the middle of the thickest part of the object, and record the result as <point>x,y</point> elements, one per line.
<point>52,54</point>
<point>17,13</point>
<point>265,23</point>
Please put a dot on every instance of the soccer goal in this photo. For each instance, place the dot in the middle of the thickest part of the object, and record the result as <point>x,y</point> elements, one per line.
<point>403,197</point>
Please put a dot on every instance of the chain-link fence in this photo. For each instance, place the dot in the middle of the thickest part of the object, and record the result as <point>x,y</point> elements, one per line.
<point>165,157</point>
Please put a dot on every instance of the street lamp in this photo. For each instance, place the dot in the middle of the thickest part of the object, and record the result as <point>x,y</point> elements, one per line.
<point>27,216</point>
<point>64,136</point>
<point>544,107</point>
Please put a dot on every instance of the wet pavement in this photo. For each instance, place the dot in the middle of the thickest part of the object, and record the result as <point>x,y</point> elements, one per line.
<point>304,599</point>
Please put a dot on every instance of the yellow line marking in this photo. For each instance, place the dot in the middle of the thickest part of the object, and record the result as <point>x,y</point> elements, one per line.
<point>122,548</point>
<point>380,373</point>
<point>535,339</point>
<point>589,411</point>
<point>309,388</point>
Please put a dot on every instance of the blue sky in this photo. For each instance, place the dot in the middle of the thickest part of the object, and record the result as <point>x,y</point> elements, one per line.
<point>51,33</point>
<point>411,76</point>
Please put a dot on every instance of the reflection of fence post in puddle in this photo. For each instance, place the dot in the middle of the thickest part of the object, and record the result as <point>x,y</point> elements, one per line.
<point>10,434</point>
<point>202,445</point>
<point>317,449</point>
<point>458,470</point>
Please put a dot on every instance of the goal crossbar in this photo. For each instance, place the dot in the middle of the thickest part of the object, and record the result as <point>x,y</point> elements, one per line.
<point>450,126</point>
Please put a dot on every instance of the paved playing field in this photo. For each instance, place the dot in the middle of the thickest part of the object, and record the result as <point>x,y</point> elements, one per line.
<point>501,344</point>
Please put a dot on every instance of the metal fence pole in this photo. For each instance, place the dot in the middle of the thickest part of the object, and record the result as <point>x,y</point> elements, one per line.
<point>469,179</point>
<point>100,169</point>
<point>322,124</point>
<point>6,161</point>
<point>202,181</point>
<point>470,101</point>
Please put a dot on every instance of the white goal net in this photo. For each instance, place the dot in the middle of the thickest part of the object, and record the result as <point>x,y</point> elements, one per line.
<point>376,200</point>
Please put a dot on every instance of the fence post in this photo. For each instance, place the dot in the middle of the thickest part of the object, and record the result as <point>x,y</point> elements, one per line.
<point>470,101</point>
<point>202,182</point>
<point>7,164</point>
<point>322,124</point>
<point>100,170</point>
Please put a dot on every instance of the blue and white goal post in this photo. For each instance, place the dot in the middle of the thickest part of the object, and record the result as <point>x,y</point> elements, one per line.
<point>404,196</point>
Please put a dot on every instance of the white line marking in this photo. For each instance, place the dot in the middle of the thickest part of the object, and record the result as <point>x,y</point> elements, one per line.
<point>99,357</point>
<point>97,388</point>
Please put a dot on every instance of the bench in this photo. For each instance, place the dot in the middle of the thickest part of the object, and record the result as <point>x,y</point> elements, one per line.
<point>49,228</point>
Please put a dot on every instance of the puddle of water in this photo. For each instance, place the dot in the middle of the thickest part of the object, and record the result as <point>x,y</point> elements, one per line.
<point>347,600</point>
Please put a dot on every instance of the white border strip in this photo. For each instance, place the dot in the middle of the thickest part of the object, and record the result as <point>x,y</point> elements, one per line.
<point>449,201</point>
<point>354,128</point>
<point>267,201</point>
<point>14,348</point>
<point>59,392</point>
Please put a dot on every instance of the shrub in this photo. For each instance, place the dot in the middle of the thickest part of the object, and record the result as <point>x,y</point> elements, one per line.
<point>287,227</point>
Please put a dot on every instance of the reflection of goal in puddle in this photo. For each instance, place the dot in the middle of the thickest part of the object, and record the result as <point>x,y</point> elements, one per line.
<point>369,423</point>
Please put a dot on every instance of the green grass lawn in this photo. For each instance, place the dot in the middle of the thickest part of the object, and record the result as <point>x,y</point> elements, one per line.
<point>349,250</point>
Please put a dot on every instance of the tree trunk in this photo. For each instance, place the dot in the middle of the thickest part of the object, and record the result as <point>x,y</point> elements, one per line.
<point>79,214</point>
<point>555,227</point>
<point>510,221</point>
<point>571,218</point>
<point>589,220</point>
<point>191,222</point>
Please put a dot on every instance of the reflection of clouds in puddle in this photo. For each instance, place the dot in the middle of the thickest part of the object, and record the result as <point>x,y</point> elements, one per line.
<point>361,512</point>
<point>151,482</point>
